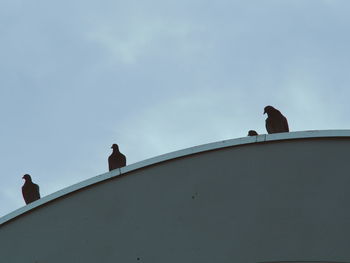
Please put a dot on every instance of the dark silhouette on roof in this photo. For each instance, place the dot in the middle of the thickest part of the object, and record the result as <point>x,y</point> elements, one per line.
<point>30,190</point>
<point>116,159</point>
<point>252,133</point>
<point>275,121</point>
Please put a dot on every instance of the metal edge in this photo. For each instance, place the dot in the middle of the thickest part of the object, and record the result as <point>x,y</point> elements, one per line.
<point>173,155</point>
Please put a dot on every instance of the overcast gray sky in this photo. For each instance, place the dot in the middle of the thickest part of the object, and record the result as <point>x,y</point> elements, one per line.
<point>157,76</point>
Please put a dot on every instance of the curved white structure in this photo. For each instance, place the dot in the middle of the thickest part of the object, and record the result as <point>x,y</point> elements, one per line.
<point>267,198</point>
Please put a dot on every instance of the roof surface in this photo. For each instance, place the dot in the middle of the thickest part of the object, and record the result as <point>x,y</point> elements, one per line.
<point>173,155</point>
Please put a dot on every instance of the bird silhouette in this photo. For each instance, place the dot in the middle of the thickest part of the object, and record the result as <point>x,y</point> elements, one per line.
<point>30,191</point>
<point>252,133</point>
<point>116,159</point>
<point>275,121</point>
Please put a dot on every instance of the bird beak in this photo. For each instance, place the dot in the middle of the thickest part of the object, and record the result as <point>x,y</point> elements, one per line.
<point>264,111</point>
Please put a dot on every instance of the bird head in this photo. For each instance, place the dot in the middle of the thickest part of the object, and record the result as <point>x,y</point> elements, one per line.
<point>115,147</point>
<point>268,109</point>
<point>27,177</point>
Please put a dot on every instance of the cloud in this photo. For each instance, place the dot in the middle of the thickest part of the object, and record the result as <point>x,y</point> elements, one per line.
<point>137,39</point>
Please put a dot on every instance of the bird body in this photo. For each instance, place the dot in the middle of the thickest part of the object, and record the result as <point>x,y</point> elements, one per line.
<point>30,191</point>
<point>252,133</point>
<point>116,159</point>
<point>275,121</point>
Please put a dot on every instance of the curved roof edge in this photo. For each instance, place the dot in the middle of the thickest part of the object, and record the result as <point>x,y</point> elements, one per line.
<point>173,155</point>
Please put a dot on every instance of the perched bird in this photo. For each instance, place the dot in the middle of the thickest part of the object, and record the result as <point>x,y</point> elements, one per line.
<point>275,121</point>
<point>252,133</point>
<point>116,159</point>
<point>30,190</point>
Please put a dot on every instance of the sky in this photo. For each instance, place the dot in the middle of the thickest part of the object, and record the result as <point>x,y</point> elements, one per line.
<point>156,76</point>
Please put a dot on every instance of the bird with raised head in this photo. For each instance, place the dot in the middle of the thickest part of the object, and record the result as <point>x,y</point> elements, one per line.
<point>275,121</point>
<point>116,159</point>
<point>30,191</point>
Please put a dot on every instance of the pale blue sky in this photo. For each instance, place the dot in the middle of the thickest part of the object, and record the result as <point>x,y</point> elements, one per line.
<point>158,76</point>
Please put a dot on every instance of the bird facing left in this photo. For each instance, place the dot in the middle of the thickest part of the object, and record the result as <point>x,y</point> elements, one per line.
<point>30,190</point>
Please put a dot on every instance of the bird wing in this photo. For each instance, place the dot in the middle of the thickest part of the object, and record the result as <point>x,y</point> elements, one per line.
<point>123,160</point>
<point>285,124</point>
<point>277,123</point>
<point>36,192</point>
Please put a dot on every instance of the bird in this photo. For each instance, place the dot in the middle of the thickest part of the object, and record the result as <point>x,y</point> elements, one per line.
<point>116,159</point>
<point>252,133</point>
<point>275,121</point>
<point>30,191</point>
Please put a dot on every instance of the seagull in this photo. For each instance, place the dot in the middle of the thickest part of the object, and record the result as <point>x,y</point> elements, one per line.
<point>252,133</point>
<point>30,190</point>
<point>116,159</point>
<point>275,121</point>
